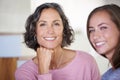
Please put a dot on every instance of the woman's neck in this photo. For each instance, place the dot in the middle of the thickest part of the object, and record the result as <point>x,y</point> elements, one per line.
<point>57,58</point>
<point>61,58</point>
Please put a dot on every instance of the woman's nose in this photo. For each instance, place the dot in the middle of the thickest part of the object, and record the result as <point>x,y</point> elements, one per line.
<point>50,30</point>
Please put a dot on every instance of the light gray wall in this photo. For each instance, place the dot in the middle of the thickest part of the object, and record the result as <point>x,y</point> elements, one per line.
<point>13,14</point>
<point>112,1</point>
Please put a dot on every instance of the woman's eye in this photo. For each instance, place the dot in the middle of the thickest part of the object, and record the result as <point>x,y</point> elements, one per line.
<point>42,24</point>
<point>56,24</point>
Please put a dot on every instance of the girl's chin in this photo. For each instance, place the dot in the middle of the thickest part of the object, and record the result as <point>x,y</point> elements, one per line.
<point>100,52</point>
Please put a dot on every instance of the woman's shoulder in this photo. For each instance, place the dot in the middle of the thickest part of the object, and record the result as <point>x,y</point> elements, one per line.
<point>83,54</point>
<point>27,63</point>
<point>27,66</point>
<point>79,52</point>
<point>85,57</point>
<point>27,70</point>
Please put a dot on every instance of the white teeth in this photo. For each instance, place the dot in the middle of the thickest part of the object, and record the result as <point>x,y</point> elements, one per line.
<point>49,38</point>
<point>100,43</point>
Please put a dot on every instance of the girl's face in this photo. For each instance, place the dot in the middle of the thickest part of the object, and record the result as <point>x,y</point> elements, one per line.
<point>104,34</point>
<point>49,30</point>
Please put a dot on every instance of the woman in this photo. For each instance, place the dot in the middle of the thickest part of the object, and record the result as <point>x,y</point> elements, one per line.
<point>48,32</point>
<point>103,29</point>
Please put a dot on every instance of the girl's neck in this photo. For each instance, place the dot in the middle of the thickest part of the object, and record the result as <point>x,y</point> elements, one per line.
<point>109,55</point>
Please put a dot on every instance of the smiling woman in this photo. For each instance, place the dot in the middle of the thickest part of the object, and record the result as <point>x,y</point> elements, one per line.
<point>49,29</point>
<point>48,32</point>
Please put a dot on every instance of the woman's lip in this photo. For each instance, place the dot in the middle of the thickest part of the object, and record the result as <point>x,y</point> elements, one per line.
<point>49,38</point>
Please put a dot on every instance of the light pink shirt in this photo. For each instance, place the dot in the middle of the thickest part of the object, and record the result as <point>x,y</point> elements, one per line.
<point>82,67</point>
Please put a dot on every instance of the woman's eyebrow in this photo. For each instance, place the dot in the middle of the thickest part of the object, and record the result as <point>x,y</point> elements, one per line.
<point>41,21</point>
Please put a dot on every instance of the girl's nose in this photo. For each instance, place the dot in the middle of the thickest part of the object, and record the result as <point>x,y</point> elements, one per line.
<point>96,35</point>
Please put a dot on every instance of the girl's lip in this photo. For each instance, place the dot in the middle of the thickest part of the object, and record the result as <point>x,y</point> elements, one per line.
<point>99,43</point>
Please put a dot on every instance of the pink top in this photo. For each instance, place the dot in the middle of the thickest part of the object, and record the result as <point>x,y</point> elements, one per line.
<point>82,67</point>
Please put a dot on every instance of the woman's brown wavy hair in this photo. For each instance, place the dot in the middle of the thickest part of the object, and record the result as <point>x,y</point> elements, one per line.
<point>29,35</point>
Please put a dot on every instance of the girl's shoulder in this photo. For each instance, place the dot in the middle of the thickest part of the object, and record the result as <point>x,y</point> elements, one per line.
<point>111,74</point>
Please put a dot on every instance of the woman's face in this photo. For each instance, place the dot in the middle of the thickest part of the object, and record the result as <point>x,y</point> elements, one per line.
<point>104,34</point>
<point>49,29</point>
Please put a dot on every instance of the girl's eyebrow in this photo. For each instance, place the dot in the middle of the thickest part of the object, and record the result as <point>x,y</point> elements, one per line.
<point>98,25</point>
<point>101,24</point>
<point>90,27</point>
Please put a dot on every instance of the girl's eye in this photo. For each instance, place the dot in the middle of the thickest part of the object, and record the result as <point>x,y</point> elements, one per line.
<point>103,28</point>
<point>91,30</point>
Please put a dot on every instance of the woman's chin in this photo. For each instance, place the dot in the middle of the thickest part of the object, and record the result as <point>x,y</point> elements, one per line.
<point>50,47</point>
